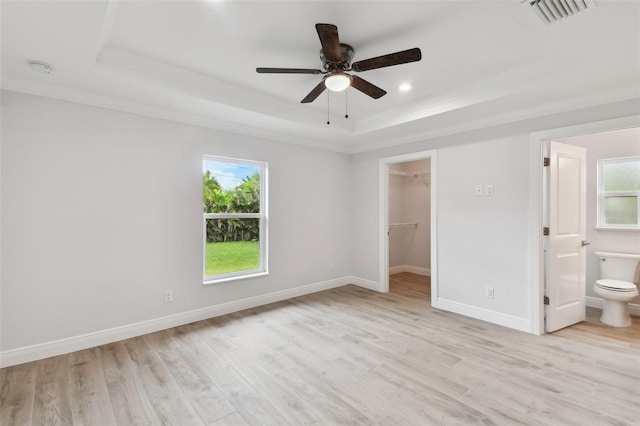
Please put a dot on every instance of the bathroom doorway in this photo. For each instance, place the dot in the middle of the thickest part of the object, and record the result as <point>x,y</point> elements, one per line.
<point>407,212</point>
<point>600,141</point>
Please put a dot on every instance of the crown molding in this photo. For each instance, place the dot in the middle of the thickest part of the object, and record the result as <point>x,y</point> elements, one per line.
<point>336,143</point>
<point>241,127</point>
<point>205,87</point>
<point>592,100</point>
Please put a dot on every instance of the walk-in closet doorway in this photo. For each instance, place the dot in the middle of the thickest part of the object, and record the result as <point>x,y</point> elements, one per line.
<point>408,217</point>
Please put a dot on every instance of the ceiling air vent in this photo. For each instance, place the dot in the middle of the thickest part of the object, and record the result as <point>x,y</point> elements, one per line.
<point>550,11</point>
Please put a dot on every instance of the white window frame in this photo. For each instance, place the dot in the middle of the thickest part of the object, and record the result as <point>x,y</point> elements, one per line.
<point>262,217</point>
<point>602,195</point>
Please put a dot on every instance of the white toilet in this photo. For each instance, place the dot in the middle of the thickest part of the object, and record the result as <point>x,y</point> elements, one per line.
<point>619,276</point>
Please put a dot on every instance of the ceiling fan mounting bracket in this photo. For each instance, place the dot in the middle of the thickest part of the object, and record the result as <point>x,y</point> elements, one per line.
<point>347,56</point>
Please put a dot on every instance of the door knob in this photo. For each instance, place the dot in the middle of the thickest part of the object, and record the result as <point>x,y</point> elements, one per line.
<point>585,243</point>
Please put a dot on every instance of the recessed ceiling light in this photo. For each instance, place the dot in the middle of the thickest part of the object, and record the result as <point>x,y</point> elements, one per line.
<point>41,67</point>
<point>405,87</point>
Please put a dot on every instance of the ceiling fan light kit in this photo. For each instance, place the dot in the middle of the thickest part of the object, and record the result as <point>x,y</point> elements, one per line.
<point>336,58</point>
<point>337,82</point>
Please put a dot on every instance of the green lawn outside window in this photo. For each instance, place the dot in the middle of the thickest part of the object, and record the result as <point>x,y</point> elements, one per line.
<point>232,256</point>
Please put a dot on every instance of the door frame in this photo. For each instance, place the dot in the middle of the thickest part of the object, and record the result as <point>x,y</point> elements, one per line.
<point>536,204</point>
<point>383,198</point>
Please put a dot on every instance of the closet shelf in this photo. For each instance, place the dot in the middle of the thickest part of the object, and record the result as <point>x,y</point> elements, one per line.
<point>414,174</point>
<point>403,225</point>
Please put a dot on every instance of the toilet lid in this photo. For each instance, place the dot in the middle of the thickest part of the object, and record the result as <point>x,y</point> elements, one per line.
<point>616,285</point>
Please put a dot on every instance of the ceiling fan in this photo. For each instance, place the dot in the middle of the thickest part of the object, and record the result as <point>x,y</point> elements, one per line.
<point>336,58</point>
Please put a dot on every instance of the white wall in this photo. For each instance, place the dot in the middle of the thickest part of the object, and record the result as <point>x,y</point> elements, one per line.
<point>417,198</point>
<point>398,237</point>
<point>483,240</point>
<point>409,202</point>
<point>623,143</point>
<point>102,212</point>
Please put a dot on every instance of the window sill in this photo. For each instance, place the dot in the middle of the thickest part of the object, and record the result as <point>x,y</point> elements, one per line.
<point>234,278</point>
<point>607,228</point>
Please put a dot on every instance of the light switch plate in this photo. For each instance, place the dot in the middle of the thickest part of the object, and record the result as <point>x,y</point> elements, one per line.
<point>479,190</point>
<point>488,190</point>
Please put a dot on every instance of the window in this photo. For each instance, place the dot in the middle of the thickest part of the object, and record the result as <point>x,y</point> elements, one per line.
<point>619,193</point>
<point>234,218</point>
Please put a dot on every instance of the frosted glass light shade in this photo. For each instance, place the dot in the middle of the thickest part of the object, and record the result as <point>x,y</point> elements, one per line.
<point>337,82</point>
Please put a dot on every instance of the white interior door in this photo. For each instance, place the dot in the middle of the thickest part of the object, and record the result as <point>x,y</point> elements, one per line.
<point>565,271</point>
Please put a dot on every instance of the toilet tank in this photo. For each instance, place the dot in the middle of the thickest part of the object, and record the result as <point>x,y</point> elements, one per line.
<point>617,266</point>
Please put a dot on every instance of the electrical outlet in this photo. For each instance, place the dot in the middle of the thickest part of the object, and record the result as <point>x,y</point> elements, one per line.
<point>489,292</point>
<point>478,190</point>
<point>168,296</point>
<point>332,266</point>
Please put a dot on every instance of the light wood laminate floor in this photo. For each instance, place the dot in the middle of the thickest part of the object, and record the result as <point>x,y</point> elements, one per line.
<point>343,356</point>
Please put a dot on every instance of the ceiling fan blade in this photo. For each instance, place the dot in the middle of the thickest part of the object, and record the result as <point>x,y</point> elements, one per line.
<point>314,93</point>
<point>367,88</point>
<point>397,58</point>
<point>287,71</point>
<point>328,34</point>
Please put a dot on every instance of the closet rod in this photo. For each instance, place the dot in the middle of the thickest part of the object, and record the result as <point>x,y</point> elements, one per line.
<point>402,225</point>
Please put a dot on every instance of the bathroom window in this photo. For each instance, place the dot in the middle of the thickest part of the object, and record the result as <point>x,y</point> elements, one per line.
<point>234,219</point>
<point>619,193</point>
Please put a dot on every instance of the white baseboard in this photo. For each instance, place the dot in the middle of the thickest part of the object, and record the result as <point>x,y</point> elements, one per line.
<point>371,285</point>
<point>408,268</point>
<point>596,302</point>
<point>89,340</point>
<point>396,269</point>
<point>494,317</point>
<point>417,270</point>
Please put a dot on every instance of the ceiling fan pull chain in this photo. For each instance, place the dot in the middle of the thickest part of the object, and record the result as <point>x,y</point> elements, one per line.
<point>346,104</point>
<point>328,97</point>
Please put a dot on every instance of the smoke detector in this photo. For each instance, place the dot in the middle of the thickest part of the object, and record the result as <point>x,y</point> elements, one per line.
<point>42,67</point>
<point>550,11</point>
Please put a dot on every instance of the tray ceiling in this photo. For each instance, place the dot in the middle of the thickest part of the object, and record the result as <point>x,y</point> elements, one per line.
<point>194,61</point>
